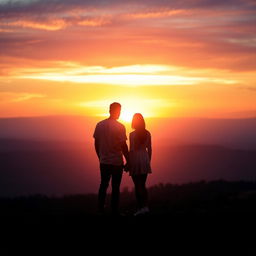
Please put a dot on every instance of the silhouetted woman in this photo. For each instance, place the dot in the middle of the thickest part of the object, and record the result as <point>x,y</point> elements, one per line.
<point>140,156</point>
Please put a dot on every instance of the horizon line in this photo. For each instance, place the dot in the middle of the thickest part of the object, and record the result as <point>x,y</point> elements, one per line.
<point>151,117</point>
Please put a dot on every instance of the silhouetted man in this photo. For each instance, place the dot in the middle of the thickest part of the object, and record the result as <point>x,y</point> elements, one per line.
<point>110,145</point>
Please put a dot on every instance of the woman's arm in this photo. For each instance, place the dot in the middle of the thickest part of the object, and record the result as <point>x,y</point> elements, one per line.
<point>149,146</point>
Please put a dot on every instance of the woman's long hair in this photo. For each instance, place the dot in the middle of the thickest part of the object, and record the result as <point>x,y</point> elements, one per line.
<point>138,123</point>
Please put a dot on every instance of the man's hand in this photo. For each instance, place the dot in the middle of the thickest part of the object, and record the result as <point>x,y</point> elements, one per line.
<point>97,147</point>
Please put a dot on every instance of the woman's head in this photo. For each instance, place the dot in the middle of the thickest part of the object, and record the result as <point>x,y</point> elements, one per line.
<point>138,122</point>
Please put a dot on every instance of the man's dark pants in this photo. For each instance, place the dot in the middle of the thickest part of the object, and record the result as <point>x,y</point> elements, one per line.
<point>107,172</point>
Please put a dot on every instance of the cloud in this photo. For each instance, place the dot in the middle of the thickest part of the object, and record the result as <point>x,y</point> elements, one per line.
<point>250,88</point>
<point>50,25</point>
<point>7,97</point>
<point>251,42</point>
<point>65,9</point>
<point>154,14</point>
<point>97,22</point>
<point>134,75</point>
<point>5,30</point>
<point>34,6</point>
<point>192,33</point>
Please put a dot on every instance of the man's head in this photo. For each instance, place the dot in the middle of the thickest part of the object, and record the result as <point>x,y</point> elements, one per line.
<point>115,110</point>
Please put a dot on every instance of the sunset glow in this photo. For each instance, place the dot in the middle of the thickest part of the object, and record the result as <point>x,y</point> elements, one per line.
<point>130,106</point>
<point>162,59</point>
<point>188,67</point>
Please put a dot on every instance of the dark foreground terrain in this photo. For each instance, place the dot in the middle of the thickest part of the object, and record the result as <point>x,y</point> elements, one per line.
<point>202,198</point>
<point>201,218</point>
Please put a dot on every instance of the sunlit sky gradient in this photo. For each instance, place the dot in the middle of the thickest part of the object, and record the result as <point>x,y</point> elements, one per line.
<point>161,58</point>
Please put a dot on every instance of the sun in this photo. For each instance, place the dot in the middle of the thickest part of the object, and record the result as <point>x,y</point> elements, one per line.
<point>126,115</point>
<point>130,106</point>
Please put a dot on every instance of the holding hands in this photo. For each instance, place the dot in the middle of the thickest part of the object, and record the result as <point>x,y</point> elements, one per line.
<point>126,167</point>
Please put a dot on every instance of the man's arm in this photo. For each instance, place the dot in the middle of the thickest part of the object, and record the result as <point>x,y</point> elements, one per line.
<point>97,148</point>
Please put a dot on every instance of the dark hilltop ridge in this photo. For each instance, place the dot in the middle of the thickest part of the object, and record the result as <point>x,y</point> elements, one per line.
<point>201,198</point>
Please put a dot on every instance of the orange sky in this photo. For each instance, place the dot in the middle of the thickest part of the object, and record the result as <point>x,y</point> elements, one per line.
<point>160,58</point>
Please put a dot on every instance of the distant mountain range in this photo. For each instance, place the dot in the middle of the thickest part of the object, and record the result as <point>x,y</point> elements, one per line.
<point>54,155</point>
<point>233,133</point>
<point>59,167</point>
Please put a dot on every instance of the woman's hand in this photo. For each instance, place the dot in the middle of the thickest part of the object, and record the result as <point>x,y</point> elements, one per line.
<point>126,167</point>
